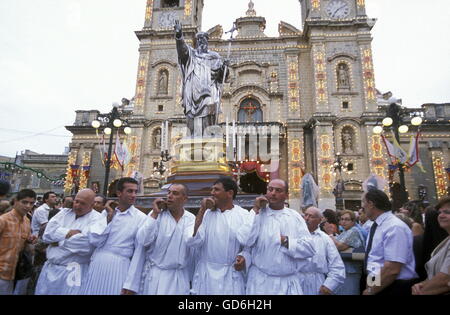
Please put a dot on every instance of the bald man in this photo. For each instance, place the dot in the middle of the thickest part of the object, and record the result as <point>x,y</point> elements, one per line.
<point>69,252</point>
<point>325,271</point>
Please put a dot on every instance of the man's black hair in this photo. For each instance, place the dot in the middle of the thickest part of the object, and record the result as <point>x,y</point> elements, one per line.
<point>228,184</point>
<point>47,195</point>
<point>379,199</point>
<point>126,180</point>
<point>25,193</point>
<point>4,188</point>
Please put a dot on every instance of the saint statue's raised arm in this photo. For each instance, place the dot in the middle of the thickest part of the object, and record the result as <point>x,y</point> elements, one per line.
<point>202,76</point>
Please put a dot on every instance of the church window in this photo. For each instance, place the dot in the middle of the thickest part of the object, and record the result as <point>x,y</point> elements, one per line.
<point>440,111</point>
<point>160,108</point>
<point>250,111</point>
<point>345,105</point>
<point>170,3</point>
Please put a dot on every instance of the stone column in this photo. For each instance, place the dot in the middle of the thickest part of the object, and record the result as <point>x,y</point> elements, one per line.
<point>296,161</point>
<point>325,156</point>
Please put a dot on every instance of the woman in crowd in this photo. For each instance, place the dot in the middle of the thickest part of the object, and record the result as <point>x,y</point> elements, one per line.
<point>412,210</point>
<point>350,238</point>
<point>438,267</point>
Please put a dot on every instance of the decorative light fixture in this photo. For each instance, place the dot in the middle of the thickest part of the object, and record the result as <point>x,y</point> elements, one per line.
<point>403,129</point>
<point>127,130</point>
<point>388,121</point>
<point>378,130</point>
<point>107,131</point>
<point>96,124</point>
<point>117,123</point>
<point>416,121</point>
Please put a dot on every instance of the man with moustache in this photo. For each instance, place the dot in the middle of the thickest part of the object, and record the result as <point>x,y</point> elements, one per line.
<point>164,236</point>
<point>278,242</point>
<point>69,252</point>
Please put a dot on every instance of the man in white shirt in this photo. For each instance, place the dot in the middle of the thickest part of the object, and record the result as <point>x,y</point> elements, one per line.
<point>164,236</point>
<point>278,242</point>
<point>390,259</point>
<point>325,271</point>
<point>117,259</point>
<point>69,252</point>
<point>40,215</point>
<point>221,231</point>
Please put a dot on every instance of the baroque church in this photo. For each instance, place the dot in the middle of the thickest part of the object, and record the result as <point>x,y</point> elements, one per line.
<point>316,86</point>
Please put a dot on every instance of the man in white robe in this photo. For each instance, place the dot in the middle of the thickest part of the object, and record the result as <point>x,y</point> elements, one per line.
<point>117,259</point>
<point>69,252</point>
<point>278,242</point>
<point>221,230</point>
<point>325,271</point>
<point>164,236</point>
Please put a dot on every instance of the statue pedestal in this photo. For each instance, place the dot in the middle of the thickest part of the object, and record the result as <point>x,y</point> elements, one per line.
<point>198,163</point>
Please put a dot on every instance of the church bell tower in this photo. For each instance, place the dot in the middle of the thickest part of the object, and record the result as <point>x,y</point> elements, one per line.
<point>158,97</point>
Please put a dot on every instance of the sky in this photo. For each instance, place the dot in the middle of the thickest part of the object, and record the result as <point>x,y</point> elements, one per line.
<point>59,56</point>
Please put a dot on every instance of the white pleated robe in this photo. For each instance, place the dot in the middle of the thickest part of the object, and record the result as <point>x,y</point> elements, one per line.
<point>66,267</point>
<point>219,240</point>
<point>117,261</point>
<point>167,269</point>
<point>324,268</point>
<point>274,268</point>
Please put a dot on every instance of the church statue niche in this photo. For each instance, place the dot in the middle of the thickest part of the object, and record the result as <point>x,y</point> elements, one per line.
<point>170,3</point>
<point>348,140</point>
<point>163,82</point>
<point>250,111</point>
<point>343,76</point>
<point>156,139</point>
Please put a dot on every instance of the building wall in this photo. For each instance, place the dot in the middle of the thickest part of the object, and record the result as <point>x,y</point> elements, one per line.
<point>295,78</point>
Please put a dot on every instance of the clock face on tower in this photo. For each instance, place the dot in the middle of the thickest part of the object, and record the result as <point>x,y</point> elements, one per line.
<point>338,9</point>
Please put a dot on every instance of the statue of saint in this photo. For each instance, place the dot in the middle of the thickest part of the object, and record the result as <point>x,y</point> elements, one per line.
<point>347,141</point>
<point>163,83</point>
<point>343,76</point>
<point>157,139</point>
<point>202,77</point>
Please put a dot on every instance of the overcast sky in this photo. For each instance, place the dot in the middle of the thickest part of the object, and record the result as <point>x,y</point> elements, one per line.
<point>58,56</point>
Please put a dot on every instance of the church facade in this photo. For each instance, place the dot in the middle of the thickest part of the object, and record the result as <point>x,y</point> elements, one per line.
<point>315,86</point>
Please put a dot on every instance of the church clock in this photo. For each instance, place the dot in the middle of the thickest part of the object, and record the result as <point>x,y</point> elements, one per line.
<point>338,9</point>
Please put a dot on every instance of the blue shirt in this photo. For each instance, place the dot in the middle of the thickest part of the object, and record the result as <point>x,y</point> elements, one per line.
<point>392,241</point>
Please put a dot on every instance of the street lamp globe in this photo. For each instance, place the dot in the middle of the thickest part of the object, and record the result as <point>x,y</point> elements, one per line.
<point>107,131</point>
<point>403,129</point>
<point>416,121</point>
<point>127,130</point>
<point>96,124</point>
<point>117,123</point>
<point>388,121</point>
<point>378,130</point>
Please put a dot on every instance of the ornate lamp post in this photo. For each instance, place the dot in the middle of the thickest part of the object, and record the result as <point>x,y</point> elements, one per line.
<point>165,157</point>
<point>339,189</point>
<point>110,122</point>
<point>394,119</point>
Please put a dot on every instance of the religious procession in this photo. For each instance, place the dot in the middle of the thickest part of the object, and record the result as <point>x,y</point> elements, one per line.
<point>235,192</point>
